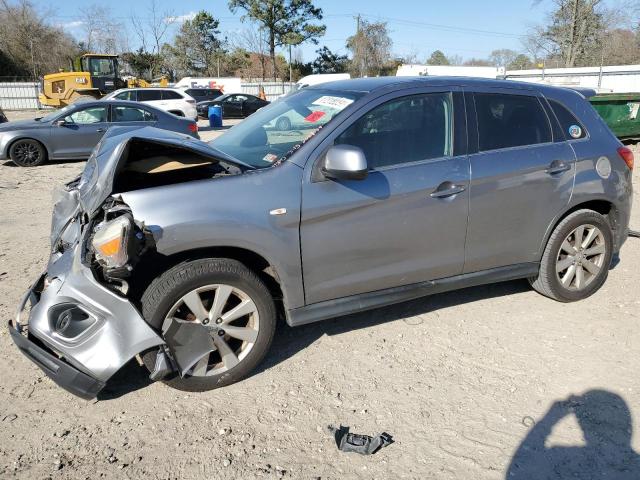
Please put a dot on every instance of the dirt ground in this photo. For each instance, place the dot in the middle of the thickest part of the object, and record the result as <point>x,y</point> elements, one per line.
<point>458,379</point>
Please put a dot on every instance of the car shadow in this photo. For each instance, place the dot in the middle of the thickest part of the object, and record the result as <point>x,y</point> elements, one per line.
<point>9,163</point>
<point>208,128</point>
<point>605,420</point>
<point>288,341</point>
<point>129,378</point>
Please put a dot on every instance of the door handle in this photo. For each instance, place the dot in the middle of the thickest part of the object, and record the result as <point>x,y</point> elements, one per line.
<point>557,166</point>
<point>100,130</point>
<point>447,189</point>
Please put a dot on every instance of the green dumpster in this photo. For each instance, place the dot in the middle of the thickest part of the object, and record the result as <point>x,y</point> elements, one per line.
<point>620,111</point>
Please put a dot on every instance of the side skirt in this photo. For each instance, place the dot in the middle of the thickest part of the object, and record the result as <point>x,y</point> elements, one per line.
<point>367,301</point>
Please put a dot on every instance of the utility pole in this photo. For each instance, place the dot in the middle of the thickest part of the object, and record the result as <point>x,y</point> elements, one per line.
<point>290,70</point>
<point>358,49</point>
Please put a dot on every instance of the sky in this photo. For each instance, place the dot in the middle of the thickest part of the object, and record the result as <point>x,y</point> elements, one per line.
<point>468,28</point>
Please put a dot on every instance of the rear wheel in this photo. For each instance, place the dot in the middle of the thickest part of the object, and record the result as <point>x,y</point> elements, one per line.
<point>233,305</point>
<point>283,123</point>
<point>28,153</point>
<point>576,260</point>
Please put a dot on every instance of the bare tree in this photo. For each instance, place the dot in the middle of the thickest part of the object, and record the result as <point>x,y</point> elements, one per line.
<point>101,34</point>
<point>151,32</point>
<point>254,41</point>
<point>575,30</point>
<point>28,45</point>
<point>370,47</point>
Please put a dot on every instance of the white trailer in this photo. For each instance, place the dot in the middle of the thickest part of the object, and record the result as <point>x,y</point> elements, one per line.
<point>226,84</point>
<point>412,70</point>
<point>616,78</point>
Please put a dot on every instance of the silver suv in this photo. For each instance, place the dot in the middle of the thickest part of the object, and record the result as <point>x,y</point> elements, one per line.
<point>388,189</point>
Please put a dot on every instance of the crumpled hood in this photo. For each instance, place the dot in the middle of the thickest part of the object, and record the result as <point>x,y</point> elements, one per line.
<point>87,193</point>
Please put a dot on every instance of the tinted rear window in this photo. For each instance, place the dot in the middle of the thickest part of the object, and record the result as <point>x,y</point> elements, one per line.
<point>506,121</point>
<point>149,95</point>
<point>568,121</point>
<point>171,95</point>
<point>203,92</point>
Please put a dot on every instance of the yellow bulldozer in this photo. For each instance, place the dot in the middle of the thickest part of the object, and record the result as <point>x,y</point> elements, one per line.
<point>92,77</point>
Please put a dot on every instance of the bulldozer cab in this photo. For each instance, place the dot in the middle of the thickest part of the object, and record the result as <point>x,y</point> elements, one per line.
<point>103,71</point>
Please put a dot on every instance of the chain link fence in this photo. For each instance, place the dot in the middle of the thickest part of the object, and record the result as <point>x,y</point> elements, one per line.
<point>19,93</point>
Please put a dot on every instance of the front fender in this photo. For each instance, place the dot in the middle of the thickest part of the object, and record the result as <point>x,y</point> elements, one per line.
<point>231,211</point>
<point>8,138</point>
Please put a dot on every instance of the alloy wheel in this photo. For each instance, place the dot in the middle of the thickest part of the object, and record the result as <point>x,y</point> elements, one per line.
<point>231,318</point>
<point>26,153</point>
<point>581,257</point>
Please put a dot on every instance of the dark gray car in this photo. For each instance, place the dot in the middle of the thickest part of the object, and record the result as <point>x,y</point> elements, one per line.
<point>73,132</point>
<point>187,253</point>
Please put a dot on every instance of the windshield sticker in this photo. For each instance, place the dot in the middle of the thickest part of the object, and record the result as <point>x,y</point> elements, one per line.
<point>314,116</point>
<point>337,103</point>
<point>575,131</point>
<point>270,157</point>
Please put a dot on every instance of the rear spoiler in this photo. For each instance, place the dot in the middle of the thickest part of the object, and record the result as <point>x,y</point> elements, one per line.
<point>585,92</point>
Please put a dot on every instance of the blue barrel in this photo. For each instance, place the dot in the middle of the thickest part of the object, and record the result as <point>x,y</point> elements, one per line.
<point>215,116</point>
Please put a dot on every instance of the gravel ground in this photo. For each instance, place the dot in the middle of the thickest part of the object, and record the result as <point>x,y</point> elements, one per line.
<point>459,380</point>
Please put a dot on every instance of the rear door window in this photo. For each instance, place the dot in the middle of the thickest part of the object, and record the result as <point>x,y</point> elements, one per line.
<point>149,95</point>
<point>404,130</point>
<point>131,114</point>
<point>171,95</point>
<point>569,124</point>
<point>507,121</point>
<point>127,95</point>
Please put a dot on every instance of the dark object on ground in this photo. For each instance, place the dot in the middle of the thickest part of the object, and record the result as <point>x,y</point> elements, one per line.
<point>3,117</point>
<point>362,444</point>
<point>634,233</point>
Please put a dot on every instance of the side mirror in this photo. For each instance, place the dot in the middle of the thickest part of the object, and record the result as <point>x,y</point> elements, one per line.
<point>60,123</point>
<point>345,162</point>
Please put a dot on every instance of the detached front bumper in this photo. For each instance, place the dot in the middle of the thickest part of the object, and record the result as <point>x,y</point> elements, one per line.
<point>79,332</point>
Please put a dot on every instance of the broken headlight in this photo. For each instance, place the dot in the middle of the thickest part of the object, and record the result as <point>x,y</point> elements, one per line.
<point>112,240</point>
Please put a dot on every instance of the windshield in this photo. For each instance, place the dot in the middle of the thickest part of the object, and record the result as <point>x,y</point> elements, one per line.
<point>273,132</point>
<point>102,67</point>
<point>51,116</point>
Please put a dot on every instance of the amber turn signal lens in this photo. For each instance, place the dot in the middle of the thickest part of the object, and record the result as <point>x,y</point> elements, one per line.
<point>110,248</point>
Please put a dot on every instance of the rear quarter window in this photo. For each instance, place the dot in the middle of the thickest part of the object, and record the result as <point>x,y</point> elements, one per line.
<point>509,120</point>
<point>568,121</point>
<point>171,95</point>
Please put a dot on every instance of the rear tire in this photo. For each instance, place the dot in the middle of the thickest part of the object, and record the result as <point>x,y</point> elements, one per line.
<point>27,153</point>
<point>576,260</point>
<point>283,124</point>
<point>165,292</point>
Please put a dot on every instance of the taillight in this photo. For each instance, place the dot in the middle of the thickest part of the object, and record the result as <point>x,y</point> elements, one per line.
<point>193,127</point>
<point>627,155</point>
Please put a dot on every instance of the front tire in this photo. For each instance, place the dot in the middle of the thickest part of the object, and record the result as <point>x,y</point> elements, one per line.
<point>243,327</point>
<point>576,260</point>
<point>28,153</point>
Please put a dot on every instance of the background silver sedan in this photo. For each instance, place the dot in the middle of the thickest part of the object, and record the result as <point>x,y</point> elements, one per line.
<point>73,132</point>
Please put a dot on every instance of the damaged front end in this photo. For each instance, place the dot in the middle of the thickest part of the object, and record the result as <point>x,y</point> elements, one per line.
<point>82,327</point>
